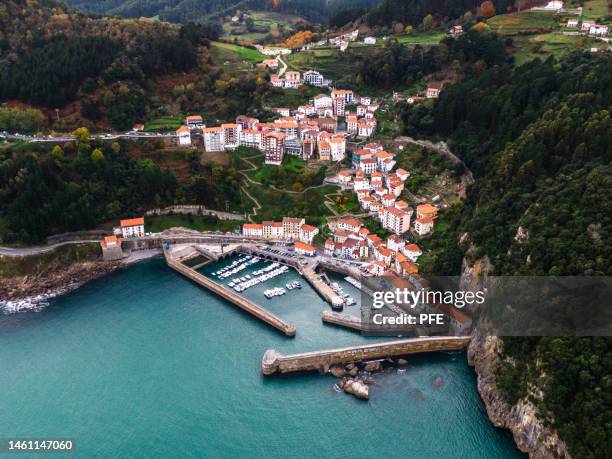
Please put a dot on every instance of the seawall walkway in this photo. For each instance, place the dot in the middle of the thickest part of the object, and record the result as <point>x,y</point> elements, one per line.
<point>275,362</point>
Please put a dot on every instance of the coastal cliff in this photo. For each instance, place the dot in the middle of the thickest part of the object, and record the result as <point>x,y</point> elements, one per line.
<point>485,355</point>
<point>522,419</point>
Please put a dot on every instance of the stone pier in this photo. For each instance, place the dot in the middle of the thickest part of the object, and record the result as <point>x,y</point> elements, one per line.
<point>275,362</point>
<point>244,304</point>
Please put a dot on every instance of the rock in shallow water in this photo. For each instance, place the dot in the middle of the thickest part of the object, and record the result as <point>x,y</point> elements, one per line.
<point>356,388</point>
<point>373,366</point>
<point>338,372</point>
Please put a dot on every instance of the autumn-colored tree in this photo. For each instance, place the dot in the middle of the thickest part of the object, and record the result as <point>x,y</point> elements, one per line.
<point>299,39</point>
<point>487,9</point>
<point>481,26</point>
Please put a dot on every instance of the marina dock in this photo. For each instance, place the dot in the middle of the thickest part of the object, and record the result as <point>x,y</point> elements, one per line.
<point>275,362</point>
<point>244,304</point>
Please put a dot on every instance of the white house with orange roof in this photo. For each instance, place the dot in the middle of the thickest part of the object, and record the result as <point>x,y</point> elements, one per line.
<point>337,145</point>
<point>308,233</point>
<point>382,253</point>
<point>251,138</point>
<point>403,174</point>
<point>426,210</point>
<point>322,100</point>
<point>194,122</point>
<point>424,225</point>
<point>361,183</point>
<point>395,243</point>
<point>395,220</point>
<point>132,227</point>
<point>346,94</point>
<point>330,246</point>
<point>412,251</point>
<point>349,224</point>
<point>111,248</point>
<point>345,177</point>
<point>368,165</point>
<point>388,200</point>
<point>252,230</point>
<point>272,230</point>
<point>402,205</point>
<point>183,134</point>
<point>213,139</point>
<point>304,249</point>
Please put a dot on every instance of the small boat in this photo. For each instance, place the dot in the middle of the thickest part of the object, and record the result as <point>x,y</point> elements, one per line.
<point>231,284</point>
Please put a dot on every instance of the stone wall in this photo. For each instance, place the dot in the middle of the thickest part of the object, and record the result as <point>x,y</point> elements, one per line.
<point>273,361</point>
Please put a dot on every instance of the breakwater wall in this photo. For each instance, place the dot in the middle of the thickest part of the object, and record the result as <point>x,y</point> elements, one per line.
<point>275,362</point>
<point>244,304</point>
<point>330,317</point>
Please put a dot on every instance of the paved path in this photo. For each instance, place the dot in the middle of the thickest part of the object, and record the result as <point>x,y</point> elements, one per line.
<point>35,250</point>
<point>282,71</point>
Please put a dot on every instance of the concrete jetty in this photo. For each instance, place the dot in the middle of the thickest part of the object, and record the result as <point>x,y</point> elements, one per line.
<point>342,320</point>
<point>275,362</point>
<point>244,304</point>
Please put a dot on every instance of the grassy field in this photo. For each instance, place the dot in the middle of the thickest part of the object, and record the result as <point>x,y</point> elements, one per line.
<point>235,53</point>
<point>534,46</point>
<point>524,22</point>
<point>165,123</point>
<point>427,37</point>
<point>594,9</point>
<point>158,223</point>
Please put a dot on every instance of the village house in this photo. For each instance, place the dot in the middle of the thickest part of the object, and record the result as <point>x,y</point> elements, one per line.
<point>346,94</point>
<point>598,30</point>
<point>349,224</point>
<point>412,251</point>
<point>252,230</point>
<point>395,243</point>
<point>407,268</point>
<point>329,247</point>
<point>395,220</point>
<point>402,205</point>
<point>376,268</point>
<point>270,63</point>
<point>231,135</point>
<point>251,138</point>
<point>423,225</point>
<point>369,40</point>
<point>291,227</point>
<point>365,128</point>
<point>308,233</point>
<point>322,100</point>
<point>213,139</point>
<point>433,90</point>
<point>194,122</point>
<point>111,248</point>
<point>352,124</point>
<point>132,227</point>
<point>460,323</point>
<point>304,249</point>
<point>324,150</point>
<point>308,148</point>
<point>337,145</point>
<point>313,78</point>
<point>274,147</point>
<point>345,177</point>
<point>183,135</point>
<point>383,254</point>
<point>277,81</point>
<point>272,230</point>
<point>426,211</point>
<point>361,184</point>
<point>455,31</point>
<point>292,79</point>
<point>138,128</point>
<point>572,23</point>
<point>246,122</point>
<point>339,105</point>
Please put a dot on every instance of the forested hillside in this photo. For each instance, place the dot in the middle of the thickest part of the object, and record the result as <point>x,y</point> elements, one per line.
<point>539,140</point>
<point>413,11</point>
<point>50,58</point>
<point>192,10</point>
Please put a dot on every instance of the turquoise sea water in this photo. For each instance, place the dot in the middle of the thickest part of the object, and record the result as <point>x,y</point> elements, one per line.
<point>144,363</point>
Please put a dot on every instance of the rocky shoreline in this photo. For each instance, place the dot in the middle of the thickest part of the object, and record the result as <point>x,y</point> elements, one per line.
<point>529,433</point>
<point>33,292</point>
<point>355,379</point>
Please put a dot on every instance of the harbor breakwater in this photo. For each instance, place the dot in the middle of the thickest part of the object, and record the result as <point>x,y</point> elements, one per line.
<point>275,362</point>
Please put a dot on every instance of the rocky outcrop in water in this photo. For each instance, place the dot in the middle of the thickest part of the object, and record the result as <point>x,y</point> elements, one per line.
<point>355,387</point>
